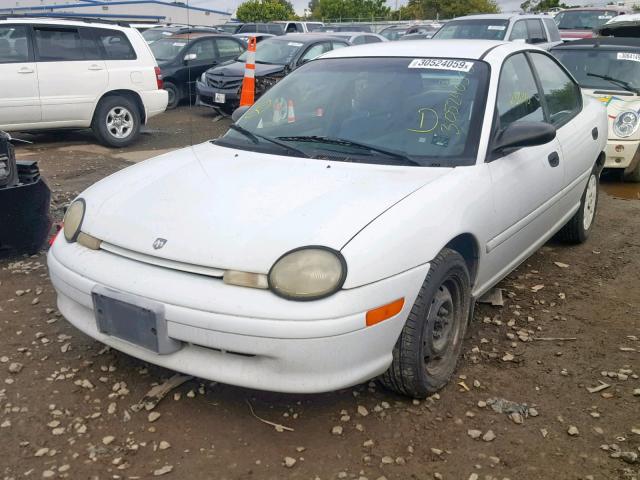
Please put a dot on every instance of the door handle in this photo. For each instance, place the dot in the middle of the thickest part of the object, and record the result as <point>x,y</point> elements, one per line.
<point>554,159</point>
<point>95,67</point>
<point>594,133</point>
<point>25,70</point>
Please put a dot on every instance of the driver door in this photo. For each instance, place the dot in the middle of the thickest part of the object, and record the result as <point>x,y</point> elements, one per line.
<point>524,181</point>
<point>201,56</point>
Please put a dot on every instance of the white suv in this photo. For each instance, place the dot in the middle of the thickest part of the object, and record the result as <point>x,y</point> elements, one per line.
<point>75,74</point>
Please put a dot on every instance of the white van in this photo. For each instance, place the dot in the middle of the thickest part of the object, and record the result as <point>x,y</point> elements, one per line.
<point>77,74</point>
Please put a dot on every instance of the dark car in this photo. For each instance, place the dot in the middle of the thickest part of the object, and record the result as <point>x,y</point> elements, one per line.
<point>344,28</point>
<point>397,32</point>
<point>258,36</point>
<point>272,28</point>
<point>576,23</point>
<point>183,58</point>
<point>230,28</point>
<point>153,34</point>
<point>276,57</point>
<point>25,197</point>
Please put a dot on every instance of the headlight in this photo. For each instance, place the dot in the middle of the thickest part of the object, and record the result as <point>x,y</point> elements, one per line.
<point>203,78</point>
<point>625,124</point>
<point>73,220</point>
<point>308,273</point>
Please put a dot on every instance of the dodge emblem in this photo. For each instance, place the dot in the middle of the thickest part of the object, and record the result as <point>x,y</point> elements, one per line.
<point>159,243</point>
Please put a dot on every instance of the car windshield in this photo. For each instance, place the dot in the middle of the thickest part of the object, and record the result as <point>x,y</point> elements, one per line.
<point>227,28</point>
<point>583,19</point>
<point>589,66</point>
<point>484,29</point>
<point>275,51</point>
<point>154,34</point>
<point>392,111</point>
<point>393,33</point>
<point>167,48</point>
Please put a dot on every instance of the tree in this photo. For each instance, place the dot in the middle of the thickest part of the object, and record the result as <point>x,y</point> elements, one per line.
<point>541,5</point>
<point>265,11</point>
<point>431,9</point>
<point>349,9</point>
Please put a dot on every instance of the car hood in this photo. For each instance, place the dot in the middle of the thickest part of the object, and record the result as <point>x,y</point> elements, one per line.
<point>616,104</point>
<point>232,209</point>
<point>236,69</point>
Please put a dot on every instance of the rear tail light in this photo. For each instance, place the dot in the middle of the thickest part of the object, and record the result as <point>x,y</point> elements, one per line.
<point>159,78</point>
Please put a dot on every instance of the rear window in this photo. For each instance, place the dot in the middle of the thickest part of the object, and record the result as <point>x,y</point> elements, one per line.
<point>115,44</point>
<point>481,29</point>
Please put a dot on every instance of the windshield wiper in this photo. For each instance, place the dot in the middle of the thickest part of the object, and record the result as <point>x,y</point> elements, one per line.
<point>256,137</point>
<point>350,143</point>
<point>626,85</point>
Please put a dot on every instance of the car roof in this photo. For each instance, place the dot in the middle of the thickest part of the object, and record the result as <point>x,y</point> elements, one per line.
<point>61,21</point>
<point>419,49</point>
<point>304,37</point>
<point>600,42</point>
<point>195,35</point>
<point>499,16</point>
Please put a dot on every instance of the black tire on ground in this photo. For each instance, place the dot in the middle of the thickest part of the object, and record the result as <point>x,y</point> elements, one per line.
<point>633,176</point>
<point>174,95</point>
<point>116,121</point>
<point>427,351</point>
<point>579,227</point>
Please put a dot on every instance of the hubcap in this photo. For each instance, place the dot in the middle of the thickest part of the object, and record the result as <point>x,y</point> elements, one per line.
<point>442,332</point>
<point>119,122</point>
<point>590,198</point>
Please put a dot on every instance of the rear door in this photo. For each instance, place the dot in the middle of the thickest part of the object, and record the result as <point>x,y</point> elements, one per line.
<point>72,75</point>
<point>19,95</point>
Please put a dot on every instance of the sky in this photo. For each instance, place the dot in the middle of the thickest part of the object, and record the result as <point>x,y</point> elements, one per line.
<point>300,5</point>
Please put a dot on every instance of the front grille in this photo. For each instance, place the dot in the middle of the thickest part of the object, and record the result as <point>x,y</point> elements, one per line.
<point>226,83</point>
<point>162,262</point>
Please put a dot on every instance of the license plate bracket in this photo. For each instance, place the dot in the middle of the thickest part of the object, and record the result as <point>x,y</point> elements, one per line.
<point>220,98</point>
<point>137,320</point>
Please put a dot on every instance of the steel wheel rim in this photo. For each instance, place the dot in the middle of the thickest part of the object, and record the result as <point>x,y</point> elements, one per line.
<point>119,122</point>
<point>443,330</point>
<point>590,198</point>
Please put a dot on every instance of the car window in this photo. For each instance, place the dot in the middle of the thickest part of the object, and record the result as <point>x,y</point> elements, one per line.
<point>275,29</point>
<point>485,29</point>
<point>359,40</point>
<point>204,50</point>
<point>554,33</point>
<point>228,47</point>
<point>518,97</point>
<point>14,44</point>
<point>115,44</point>
<point>583,19</point>
<point>314,51</point>
<point>519,31</point>
<point>336,45</point>
<point>428,109</point>
<point>371,39</point>
<point>59,44</point>
<point>562,95</point>
<point>168,48</point>
<point>275,51</point>
<point>536,32</point>
<point>247,27</point>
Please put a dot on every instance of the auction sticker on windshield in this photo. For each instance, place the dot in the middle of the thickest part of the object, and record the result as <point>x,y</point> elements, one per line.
<point>441,64</point>
<point>634,57</point>
<point>496,27</point>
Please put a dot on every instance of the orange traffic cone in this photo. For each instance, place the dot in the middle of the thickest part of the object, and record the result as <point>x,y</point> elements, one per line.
<point>291,114</point>
<point>249,81</point>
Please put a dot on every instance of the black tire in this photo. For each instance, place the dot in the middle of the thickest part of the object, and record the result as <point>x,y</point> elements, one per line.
<point>427,351</point>
<point>117,134</point>
<point>174,95</point>
<point>578,228</point>
<point>633,176</point>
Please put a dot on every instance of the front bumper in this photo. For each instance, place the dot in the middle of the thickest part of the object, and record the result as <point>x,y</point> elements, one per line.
<point>627,158</point>
<point>205,96</point>
<point>242,336</point>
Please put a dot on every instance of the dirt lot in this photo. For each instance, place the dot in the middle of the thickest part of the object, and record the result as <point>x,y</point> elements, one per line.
<point>571,320</point>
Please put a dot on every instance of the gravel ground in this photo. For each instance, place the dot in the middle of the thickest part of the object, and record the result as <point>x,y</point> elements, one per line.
<point>520,407</point>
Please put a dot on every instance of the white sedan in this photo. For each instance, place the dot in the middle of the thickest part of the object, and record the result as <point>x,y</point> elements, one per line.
<point>344,226</point>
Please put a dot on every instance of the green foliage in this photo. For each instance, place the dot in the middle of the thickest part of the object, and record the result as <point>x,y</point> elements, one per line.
<point>541,5</point>
<point>421,9</point>
<point>351,9</point>
<point>265,11</point>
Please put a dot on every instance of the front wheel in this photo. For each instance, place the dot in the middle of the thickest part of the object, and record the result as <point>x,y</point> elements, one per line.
<point>174,95</point>
<point>427,351</point>
<point>633,176</point>
<point>116,122</point>
<point>578,229</point>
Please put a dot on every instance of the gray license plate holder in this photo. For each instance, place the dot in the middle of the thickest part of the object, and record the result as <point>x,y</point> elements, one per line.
<point>137,320</point>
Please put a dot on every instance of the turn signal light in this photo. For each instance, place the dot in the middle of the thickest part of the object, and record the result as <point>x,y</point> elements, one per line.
<point>384,312</point>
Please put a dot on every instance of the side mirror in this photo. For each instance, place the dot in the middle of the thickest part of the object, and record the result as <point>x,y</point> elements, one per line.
<point>190,56</point>
<point>238,112</point>
<point>523,134</point>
